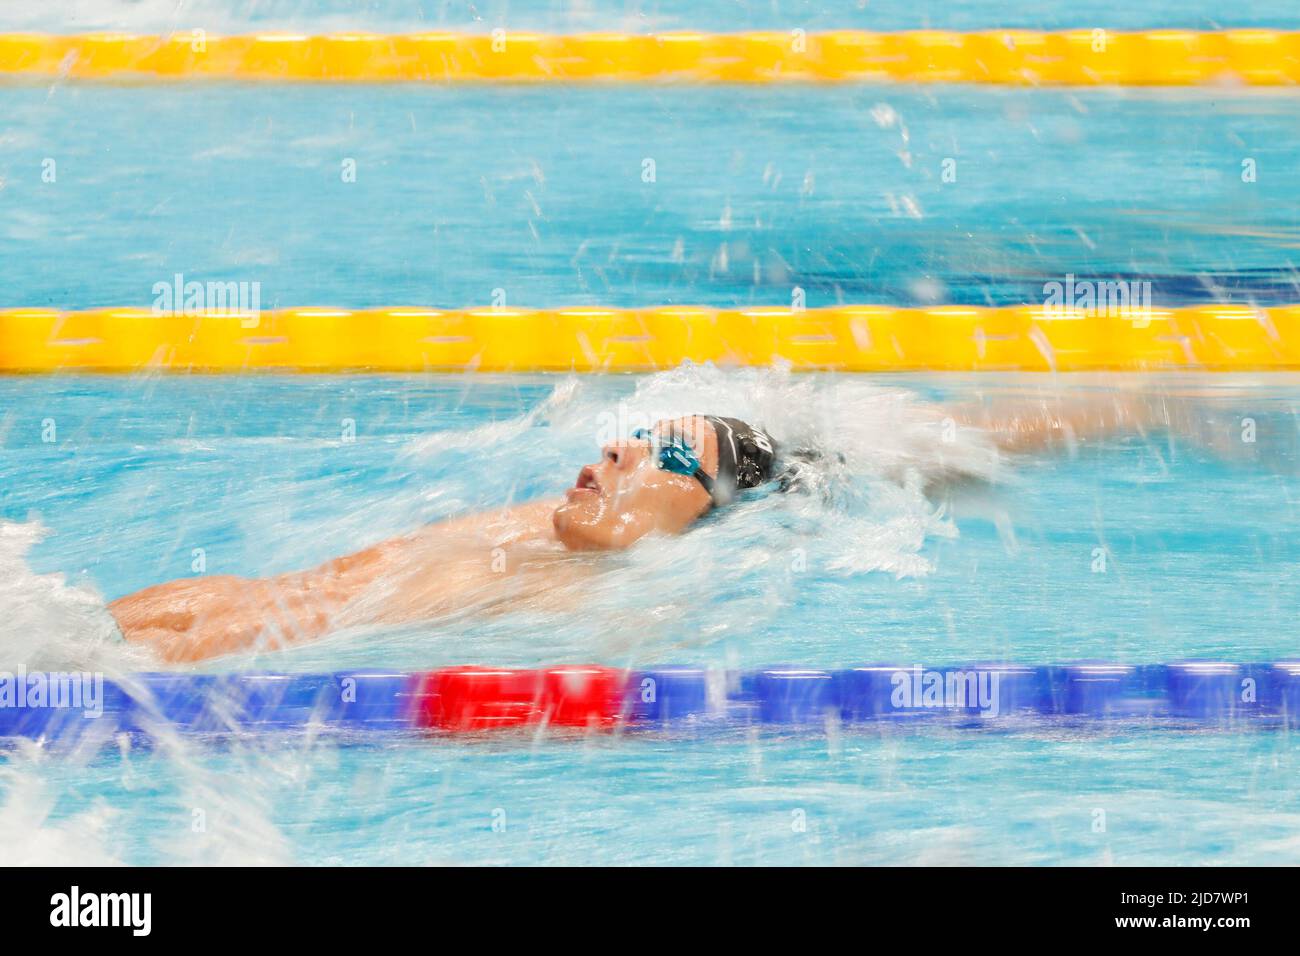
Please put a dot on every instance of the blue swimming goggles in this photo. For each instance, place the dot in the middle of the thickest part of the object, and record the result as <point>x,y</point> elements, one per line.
<point>671,453</point>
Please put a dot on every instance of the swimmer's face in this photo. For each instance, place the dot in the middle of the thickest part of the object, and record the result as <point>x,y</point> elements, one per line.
<point>625,495</point>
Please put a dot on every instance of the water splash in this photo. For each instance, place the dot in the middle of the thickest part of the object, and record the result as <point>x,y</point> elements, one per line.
<point>32,834</point>
<point>869,457</point>
<point>48,623</point>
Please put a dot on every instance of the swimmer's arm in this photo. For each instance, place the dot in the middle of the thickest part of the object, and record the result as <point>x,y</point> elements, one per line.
<point>497,528</point>
<point>1048,423</point>
<point>192,619</point>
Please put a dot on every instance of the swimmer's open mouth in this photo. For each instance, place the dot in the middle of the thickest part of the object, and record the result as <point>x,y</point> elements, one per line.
<point>586,484</point>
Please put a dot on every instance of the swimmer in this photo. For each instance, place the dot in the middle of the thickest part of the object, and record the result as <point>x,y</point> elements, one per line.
<point>659,481</point>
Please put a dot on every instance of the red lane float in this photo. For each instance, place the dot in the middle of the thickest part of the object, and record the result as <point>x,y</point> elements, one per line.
<point>481,698</point>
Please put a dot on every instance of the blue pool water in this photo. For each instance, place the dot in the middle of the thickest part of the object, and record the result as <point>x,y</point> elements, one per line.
<point>837,191</point>
<point>1201,551</point>
<point>1201,561</point>
<point>758,191</point>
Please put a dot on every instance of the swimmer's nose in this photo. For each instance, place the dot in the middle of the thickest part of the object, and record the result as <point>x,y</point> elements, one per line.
<point>624,456</point>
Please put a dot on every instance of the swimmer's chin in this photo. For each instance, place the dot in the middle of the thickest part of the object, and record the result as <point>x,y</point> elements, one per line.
<point>574,523</point>
<point>582,523</point>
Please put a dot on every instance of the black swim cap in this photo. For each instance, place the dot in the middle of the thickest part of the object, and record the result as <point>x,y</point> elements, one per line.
<point>746,457</point>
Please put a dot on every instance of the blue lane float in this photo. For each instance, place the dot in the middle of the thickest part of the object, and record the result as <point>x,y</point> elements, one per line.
<point>155,704</point>
<point>63,707</point>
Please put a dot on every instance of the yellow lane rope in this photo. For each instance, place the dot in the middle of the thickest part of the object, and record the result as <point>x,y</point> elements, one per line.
<point>849,338</point>
<point>1019,57</point>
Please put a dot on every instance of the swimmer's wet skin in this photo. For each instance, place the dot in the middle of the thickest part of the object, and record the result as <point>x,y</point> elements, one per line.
<point>658,483</point>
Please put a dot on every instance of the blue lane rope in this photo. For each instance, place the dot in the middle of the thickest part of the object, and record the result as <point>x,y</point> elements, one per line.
<point>149,705</point>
